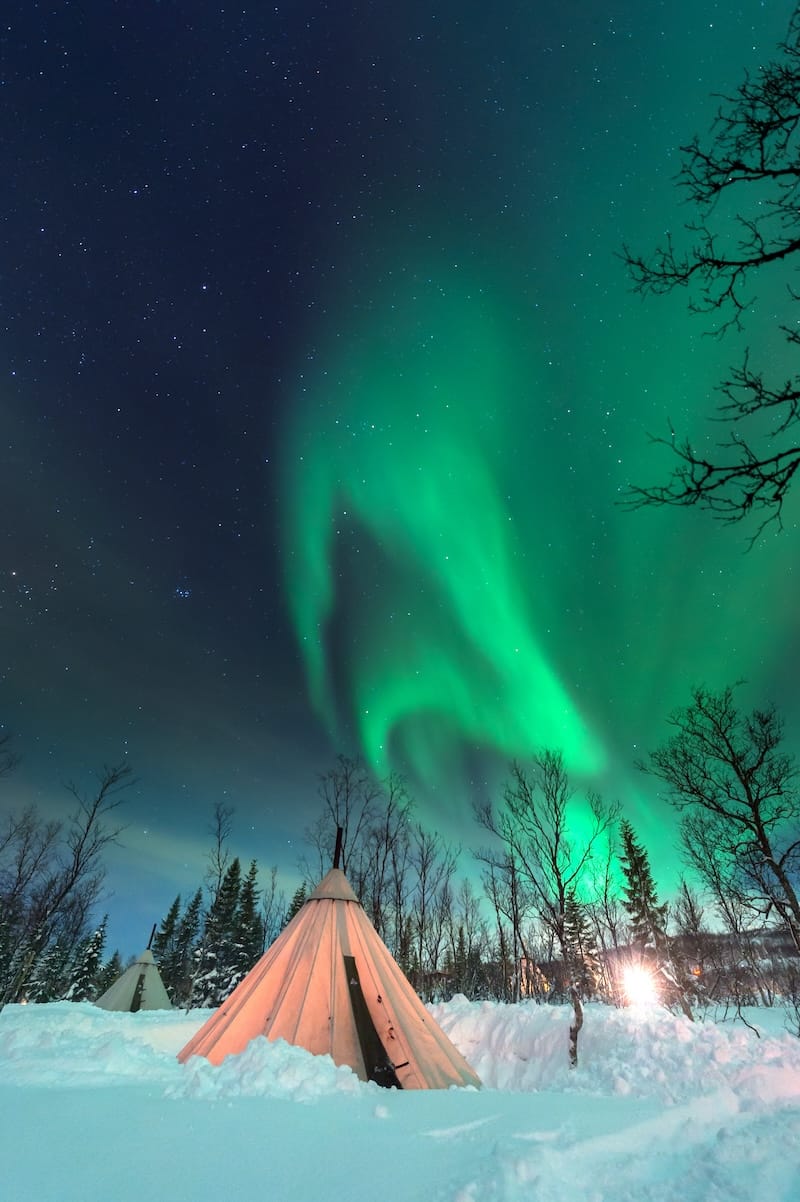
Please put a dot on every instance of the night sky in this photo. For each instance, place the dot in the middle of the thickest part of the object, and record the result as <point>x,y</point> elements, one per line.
<point>322,380</point>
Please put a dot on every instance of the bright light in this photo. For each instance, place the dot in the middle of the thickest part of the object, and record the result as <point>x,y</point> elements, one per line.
<point>639,986</point>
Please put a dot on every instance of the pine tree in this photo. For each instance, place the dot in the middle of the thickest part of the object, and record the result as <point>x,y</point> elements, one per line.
<point>86,966</point>
<point>582,958</point>
<point>48,976</point>
<point>166,949</point>
<point>212,980</point>
<point>248,928</point>
<point>648,919</point>
<point>296,904</point>
<point>166,937</point>
<point>108,974</point>
<point>187,955</point>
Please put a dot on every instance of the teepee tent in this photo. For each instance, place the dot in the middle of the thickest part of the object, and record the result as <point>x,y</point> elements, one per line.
<point>329,984</point>
<point>139,988</point>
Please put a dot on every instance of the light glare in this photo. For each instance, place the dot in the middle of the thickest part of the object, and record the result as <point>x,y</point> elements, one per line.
<point>639,986</point>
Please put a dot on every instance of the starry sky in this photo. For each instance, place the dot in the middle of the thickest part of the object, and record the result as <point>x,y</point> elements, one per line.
<point>321,380</point>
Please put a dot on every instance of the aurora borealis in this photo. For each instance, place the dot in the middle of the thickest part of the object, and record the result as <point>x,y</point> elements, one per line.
<point>400,496</point>
<point>322,384</point>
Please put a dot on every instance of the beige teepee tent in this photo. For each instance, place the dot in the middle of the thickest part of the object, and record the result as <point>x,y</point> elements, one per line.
<point>329,984</point>
<point>139,988</point>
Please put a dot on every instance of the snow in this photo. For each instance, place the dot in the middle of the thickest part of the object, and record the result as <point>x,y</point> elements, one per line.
<point>95,1106</point>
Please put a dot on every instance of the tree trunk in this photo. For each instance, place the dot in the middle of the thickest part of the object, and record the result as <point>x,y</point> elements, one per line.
<point>575,1026</point>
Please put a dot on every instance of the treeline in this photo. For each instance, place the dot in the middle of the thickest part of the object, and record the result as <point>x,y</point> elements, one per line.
<point>561,894</point>
<point>203,949</point>
<point>51,877</point>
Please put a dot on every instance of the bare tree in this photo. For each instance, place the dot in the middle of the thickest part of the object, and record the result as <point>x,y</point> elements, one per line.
<point>433,863</point>
<point>468,942</point>
<point>725,770</point>
<point>375,820</point>
<point>495,885</point>
<point>51,875</point>
<point>349,796</point>
<point>607,916</point>
<point>384,860</point>
<point>749,164</point>
<point>534,828</point>
<point>219,856</point>
<point>510,900</point>
<point>273,909</point>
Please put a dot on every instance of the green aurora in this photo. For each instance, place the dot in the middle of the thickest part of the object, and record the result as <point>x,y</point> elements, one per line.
<point>468,409</point>
<point>401,491</point>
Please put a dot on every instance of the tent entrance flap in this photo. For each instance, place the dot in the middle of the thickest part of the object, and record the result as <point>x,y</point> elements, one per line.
<point>138,993</point>
<point>379,1067</point>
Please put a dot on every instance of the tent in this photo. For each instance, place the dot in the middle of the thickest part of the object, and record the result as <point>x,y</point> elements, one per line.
<point>139,988</point>
<point>329,984</point>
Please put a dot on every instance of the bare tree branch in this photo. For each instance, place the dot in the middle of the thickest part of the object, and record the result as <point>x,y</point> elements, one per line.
<point>751,160</point>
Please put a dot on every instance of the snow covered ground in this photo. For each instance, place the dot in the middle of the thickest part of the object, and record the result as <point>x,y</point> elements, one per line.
<point>94,1107</point>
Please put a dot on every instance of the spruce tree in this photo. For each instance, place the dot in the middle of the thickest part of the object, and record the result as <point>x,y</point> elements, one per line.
<point>187,954</point>
<point>86,966</point>
<point>165,938</point>
<point>48,976</point>
<point>212,981</point>
<point>296,904</point>
<point>166,951</point>
<point>108,974</point>
<point>647,919</point>
<point>582,958</point>
<point>248,928</point>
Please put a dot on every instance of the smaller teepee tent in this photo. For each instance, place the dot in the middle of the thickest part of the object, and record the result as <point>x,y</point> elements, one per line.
<point>139,988</point>
<point>329,984</point>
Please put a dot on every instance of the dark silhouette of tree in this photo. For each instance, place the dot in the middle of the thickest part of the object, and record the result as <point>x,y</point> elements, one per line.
<point>166,950</point>
<point>374,817</point>
<point>582,956</point>
<point>108,973</point>
<point>248,927</point>
<point>537,835</point>
<point>178,981</point>
<point>647,919</point>
<point>212,982</point>
<point>273,908</point>
<point>749,166</point>
<point>296,904</point>
<point>86,966</point>
<point>51,875</point>
<point>737,790</point>
<point>219,857</point>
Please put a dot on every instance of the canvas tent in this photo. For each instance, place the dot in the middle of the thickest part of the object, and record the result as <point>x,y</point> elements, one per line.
<point>329,984</point>
<point>139,988</point>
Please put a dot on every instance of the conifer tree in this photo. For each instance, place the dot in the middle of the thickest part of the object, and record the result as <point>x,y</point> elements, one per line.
<point>166,937</point>
<point>582,958</point>
<point>647,919</point>
<point>187,954</point>
<point>248,928</point>
<point>212,981</point>
<point>48,975</point>
<point>86,966</point>
<point>166,950</point>
<point>108,974</point>
<point>296,904</point>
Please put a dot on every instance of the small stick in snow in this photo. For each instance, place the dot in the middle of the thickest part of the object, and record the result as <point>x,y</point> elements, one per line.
<point>575,1026</point>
